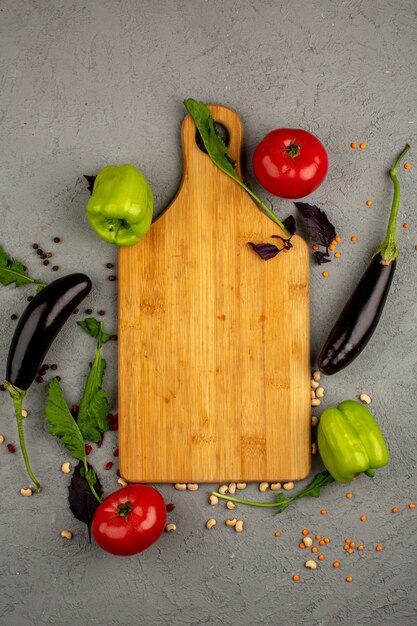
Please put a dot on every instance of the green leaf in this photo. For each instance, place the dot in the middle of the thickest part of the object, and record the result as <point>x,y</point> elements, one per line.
<point>94,328</point>
<point>13,271</point>
<point>94,405</point>
<point>217,150</point>
<point>62,424</point>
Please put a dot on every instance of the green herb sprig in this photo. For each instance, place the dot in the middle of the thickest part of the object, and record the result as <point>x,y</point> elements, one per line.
<point>13,271</point>
<point>217,151</point>
<point>313,489</point>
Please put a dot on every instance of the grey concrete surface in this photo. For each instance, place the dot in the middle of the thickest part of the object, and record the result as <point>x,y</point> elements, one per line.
<point>84,84</point>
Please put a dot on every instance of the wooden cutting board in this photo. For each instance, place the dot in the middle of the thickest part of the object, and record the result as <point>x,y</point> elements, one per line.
<point>214,356</point>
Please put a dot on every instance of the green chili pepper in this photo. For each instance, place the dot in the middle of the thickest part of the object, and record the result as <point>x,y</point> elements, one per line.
<point>120,207</point>
<point>350,441</point>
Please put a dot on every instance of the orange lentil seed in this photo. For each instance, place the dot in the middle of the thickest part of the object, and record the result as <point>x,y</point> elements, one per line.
<point>379,548</point>
<point>405,225</point>
<point>348,540</point>
<point>301,545</point>
<point>296,578</point>
<point>336,564</point>
<point>362,146</point>
<point>369,203</point>
<point>360,548</point>
<point>321,557</point>
<point>326,540</point>
<point>322,542</point>
<point>277,534</point>
<point>349,579</point>
<point>350,551</point>
<point>353,238</point>
<point>315,247</point>
<point>363,518</point>
<point>349,495</point>
<point>352,544</point>
<point>353,145</point>
<point>337,255</point>
<point>395,510</point>
<point>346,547</point>
<point>326,274</point>
<point>318,537</point>
<point>305,532</point>
<point>411,505</point>
<point>338,239</point>
<point>314,549</point>
<point>323,512</point>
<point>407,166</point>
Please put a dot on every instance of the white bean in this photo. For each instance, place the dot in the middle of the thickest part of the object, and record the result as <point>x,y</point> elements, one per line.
<point>213,500</point>
<point>311,564</point>
<point>180,486</point>
<point>211,523</point>
<point>288,486</point>
<point>263,487</point>
<point>316,375</point>
<point>275,486</point>
<point>320,392</point>
<point>239,526</point>
<point>365,398</point>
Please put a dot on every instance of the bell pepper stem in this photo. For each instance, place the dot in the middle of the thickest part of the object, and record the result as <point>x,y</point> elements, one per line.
<point>388,250</point>
<point>17,396</point>
<point>370,473</point>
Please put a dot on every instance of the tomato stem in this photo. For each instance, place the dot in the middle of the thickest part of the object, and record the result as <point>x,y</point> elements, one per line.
<point>293,150</point>
<point>124,509</point>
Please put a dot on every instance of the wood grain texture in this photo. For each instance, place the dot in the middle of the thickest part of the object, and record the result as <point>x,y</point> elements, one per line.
<point>214,360</point>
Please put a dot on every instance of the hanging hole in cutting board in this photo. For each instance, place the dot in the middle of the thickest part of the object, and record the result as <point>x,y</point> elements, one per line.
<point>223,132</point>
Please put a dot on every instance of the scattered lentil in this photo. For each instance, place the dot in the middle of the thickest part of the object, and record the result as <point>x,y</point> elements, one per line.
<point>296,578</point>
<point>395,510</point>
<point>337,255</point>
<point>354,145</point>
<point>301,545</point>
<point>326,540</point>
<point>318,537</point>
<point>305,532</point>
<point>362,146</point>
<point>405,225</point>
<point>325,274</point>
<point>379,548</point>
<point>360,548</point>
<point>314,247</point>
<point>353,238</point>
<point>369,203</point>
<point>314,549</point>
<point>349,495</point>
<point>323,512</point>
<point>322,542</point>
<point>321,557</point>
<point>407,166</point>
<point>411,505</point>
<point>363,518</point>
<point>277,534</point>
<point>349,579</point>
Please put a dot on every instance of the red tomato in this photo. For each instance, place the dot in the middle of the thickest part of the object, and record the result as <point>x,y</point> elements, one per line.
<point>290,163</point>
<point>129,520</point>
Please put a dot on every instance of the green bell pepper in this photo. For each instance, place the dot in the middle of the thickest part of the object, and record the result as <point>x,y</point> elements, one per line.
<point>120,207</point>
<point>350,441</point>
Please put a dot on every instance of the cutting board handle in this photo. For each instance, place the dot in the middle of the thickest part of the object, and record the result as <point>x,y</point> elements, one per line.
<point>195,159</point>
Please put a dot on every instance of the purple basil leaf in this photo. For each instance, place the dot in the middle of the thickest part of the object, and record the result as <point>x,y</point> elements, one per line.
<point>320,230</point>
<point>90,180</point>
<point>321,257</point>
<point>289,224</point>
<point>81,501</point>
<point>265,250</point>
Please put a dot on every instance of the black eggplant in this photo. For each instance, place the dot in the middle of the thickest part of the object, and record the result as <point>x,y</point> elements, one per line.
<point>361,314</point>
<point>38,326</point>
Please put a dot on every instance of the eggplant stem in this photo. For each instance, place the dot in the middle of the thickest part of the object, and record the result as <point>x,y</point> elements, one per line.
<point>17,396</point>
<point>388,250</point>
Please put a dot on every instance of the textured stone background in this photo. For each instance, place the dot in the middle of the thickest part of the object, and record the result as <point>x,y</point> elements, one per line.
<point>84,84</point>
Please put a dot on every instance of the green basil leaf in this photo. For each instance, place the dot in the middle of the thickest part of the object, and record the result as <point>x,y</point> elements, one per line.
<point>62,424</point>
<point>94,405</point>
<point>94,328</point>
<point>13,271</point>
